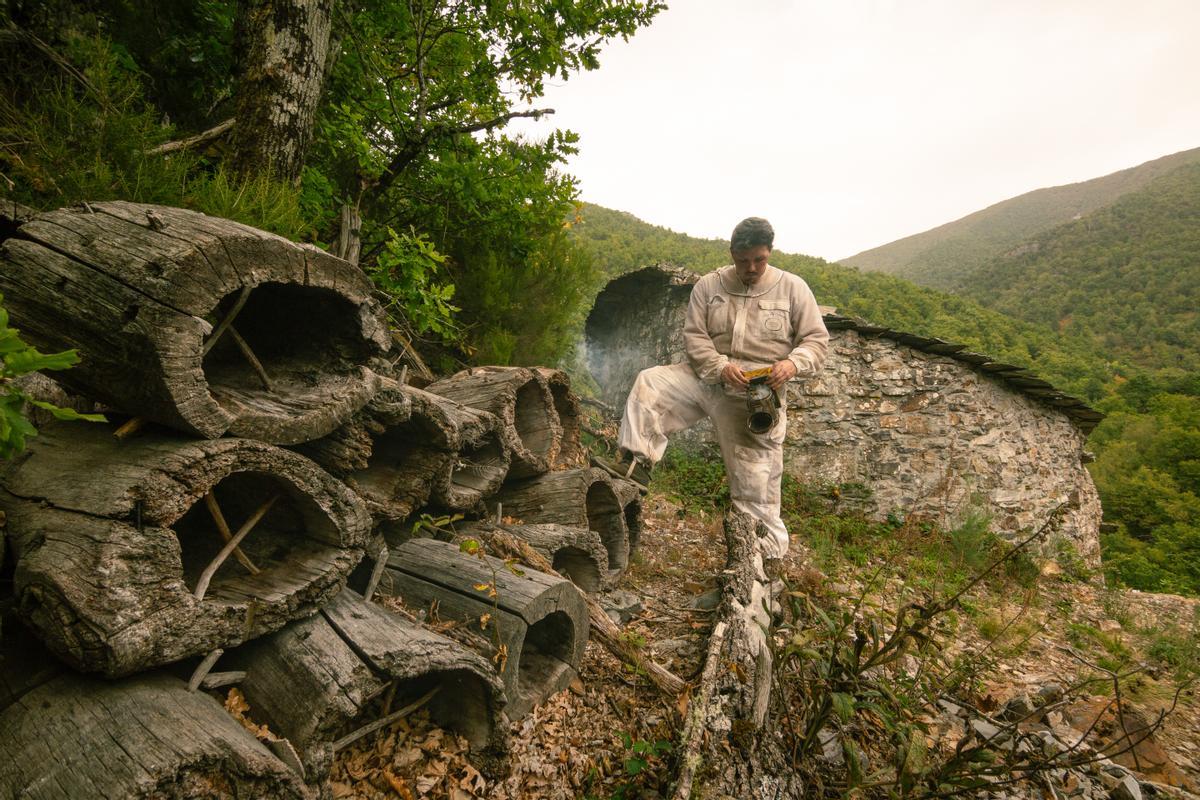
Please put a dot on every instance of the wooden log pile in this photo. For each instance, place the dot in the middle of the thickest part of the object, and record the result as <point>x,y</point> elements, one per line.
<point>267,445</point>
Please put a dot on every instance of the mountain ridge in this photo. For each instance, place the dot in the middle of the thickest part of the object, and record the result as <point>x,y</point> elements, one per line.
<point>945,255</point>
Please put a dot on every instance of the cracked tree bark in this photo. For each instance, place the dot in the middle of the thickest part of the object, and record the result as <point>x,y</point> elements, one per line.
<point>283,56</point>
<point>726,735</point>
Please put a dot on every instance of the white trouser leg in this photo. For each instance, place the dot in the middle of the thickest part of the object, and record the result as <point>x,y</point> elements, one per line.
<point>754,465</point>
<point>663,400</point>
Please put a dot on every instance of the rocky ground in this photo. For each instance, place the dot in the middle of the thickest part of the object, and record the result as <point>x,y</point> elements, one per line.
<point>1043,651</point>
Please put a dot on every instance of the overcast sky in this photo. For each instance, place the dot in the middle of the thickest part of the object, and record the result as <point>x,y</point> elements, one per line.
<point>852,123</point>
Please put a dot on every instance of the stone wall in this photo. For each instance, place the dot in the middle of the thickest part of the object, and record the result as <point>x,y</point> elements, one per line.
<point>932,433</point>
<point>927,434</point>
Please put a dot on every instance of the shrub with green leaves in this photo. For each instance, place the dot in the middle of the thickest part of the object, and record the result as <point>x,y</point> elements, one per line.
<point>21,359</point>
<point>408,272</point>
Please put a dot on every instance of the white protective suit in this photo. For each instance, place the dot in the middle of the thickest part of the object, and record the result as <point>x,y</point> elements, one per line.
<point>752,326</point>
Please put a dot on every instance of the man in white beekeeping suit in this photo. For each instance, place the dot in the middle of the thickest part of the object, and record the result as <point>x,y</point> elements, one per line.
<point>748,317</point>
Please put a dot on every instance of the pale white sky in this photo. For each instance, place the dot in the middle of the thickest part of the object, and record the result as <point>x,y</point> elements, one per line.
<point>851,123</point>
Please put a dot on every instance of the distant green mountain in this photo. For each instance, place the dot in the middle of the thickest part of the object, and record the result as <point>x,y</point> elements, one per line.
<point>949,254</point>
<point>619,242</point>
<point>1126,276</point>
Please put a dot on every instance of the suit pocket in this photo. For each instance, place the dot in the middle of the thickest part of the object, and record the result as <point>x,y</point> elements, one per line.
<point>775,320</point>
<point>717,316</point>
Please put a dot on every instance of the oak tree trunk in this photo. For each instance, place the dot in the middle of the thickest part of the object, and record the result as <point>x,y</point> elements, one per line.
<point>283,56</point>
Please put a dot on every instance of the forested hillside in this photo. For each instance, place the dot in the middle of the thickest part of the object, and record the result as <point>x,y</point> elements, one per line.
<point>949,254</point>
<point>1148,450</point>
<point>1126,276</point>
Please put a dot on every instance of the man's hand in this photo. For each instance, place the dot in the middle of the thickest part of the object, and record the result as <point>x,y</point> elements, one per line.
<point>732,375</point>
<point>781,372</point>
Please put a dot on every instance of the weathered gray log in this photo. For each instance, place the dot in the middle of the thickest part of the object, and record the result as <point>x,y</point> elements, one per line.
<point>113,540</point>
<point>630,496</point>
<point>566,404</point>
<point>144,737</point>
<point>521,399</point>
<point>328,676</point>
<point>349,447</point>
<point>541,620</point>
<point>574,552</point>
<point>37,386</point>
<point>408,446</point>
<point>25,663</point>
<point>606,631</point>
<point>578,497</point>
<point>141,291</point>
<point>727,711</point>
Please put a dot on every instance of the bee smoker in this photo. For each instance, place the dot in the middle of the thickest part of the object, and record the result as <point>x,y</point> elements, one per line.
<point>762,404</point>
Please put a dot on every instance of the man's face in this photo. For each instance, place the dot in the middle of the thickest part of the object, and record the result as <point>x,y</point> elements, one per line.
<point>751,263</point>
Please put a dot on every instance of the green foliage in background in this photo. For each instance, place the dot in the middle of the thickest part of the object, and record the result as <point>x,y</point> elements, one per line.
<point>16,359</point>
<point>83,131</point>
<point>408,273</point>
<point>1148,473</point>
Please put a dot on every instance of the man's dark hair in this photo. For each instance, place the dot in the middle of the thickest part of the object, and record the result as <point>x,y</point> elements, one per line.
<point>752,232</point>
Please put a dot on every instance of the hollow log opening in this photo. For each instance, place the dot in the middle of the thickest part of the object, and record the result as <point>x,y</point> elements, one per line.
<point>547,648</point>
<point>606,517</point>
<point>532,419</point>
<point>633,523</point>
<point>460,704</point>
<point>579,566</point>
<point>287,348</point>
<point>293,539</point>
<point>385,468</point>
<point>480,468</point>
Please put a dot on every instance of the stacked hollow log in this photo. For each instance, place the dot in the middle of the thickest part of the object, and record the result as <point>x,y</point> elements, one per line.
<point>190,535</point>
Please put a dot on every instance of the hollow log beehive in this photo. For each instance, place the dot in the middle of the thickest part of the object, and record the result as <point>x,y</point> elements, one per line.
<point>143,737</point>
<point>522,400</point>
<point>571,452</point>
<point>321,679</point>
<point>629,495</point>
<point>537,622</point>
<point>577,497</point>
<point>116,543</point>
<point>199,323</point>
<point>574,552</point>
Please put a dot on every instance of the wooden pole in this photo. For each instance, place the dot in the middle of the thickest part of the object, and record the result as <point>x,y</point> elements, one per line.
<point>255,364</point>
<point>210,500</point>
<point>224,324</point>
<point>230,546</point>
